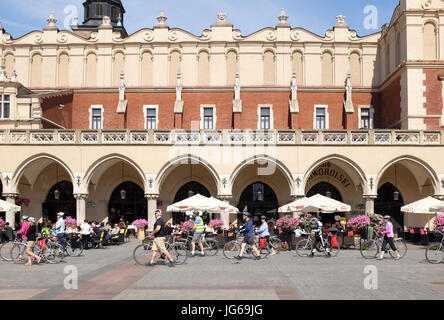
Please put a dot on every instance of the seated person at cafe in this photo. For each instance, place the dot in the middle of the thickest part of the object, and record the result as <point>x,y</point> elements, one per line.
<point>113,232</point>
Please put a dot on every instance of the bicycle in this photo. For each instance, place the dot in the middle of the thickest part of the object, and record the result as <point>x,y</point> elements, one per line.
<point>73,246</point>
<point>233,248</point>
<point>5,248</point>
<point>143,252</point>
<point>49,251</point>
<point>371,248</point>
<point>435,252</point>
<point>276,243</point>
<point>304,248</point>
<point>210,245</point>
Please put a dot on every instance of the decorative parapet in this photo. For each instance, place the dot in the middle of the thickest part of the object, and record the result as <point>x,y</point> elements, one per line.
<point>221,137</point>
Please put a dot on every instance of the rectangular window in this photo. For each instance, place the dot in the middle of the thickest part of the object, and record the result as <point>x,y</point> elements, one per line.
<point>96,121</point>
<point>366,118</point>
<point>113,13</point>
<point>321,118</point>
<point>208,118</point>
<point>265,118</point>
<point>5,106</point>
<point>151,120</point>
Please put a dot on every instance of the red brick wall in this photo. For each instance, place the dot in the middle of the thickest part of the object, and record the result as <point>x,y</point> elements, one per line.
<point>433,94</point>
<point>51,111</point>
<point>78,116</point>
<point>388,105</point>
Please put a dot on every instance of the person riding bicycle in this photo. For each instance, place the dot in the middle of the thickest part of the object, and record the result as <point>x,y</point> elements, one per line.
<point>318,237</point>
<point>388,239</point>
<point>265,234</point>
<point>159,240</point>
<point>199,230</point>
<point>24,228</point>
<point>248,232</point>
<point>60,229</point>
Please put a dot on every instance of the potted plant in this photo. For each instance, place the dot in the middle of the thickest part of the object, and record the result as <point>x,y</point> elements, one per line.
<point>21,201</point>
<point>217,224</point>
<point>187,227</point>
<point>140,225</point>
<point>287,225</point>
<point>2,223</point>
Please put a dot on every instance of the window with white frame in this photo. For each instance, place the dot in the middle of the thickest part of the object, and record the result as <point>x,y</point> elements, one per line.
<point>151,117</point>
<point>321,118</point>
<point>5,106</point>
<point>366,117</point>
<point>265,117</point>
<point>96,117</point>
<point>208,116</point>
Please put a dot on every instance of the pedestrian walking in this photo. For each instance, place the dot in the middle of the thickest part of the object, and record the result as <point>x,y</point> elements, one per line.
<point>248,232</point>
<point>24,228</point>
<point>60,229</point>
<point>86,234</point>
<point>31,235</point>
<point>318,237</point>
<point>159,240</point>
<point>265,234</point>
<point>388,239</point>
<point>199,230</point>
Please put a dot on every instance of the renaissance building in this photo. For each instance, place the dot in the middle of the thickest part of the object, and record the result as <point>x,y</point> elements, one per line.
<point>99,123</point>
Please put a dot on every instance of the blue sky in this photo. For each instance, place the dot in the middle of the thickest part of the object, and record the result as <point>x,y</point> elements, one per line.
<point>22,16</point>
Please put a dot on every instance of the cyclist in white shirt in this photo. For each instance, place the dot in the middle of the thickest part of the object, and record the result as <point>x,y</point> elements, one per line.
<point>86,232</point>
<point>318,237</point>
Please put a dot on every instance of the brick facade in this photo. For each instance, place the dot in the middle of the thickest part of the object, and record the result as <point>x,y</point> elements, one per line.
<point>433,97</point>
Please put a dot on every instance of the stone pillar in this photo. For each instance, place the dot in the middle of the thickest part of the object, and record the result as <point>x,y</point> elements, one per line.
<point>10,215</point>
<point>369,204</point>
<point>225,216</point>
<point>80,207</point>
<point>152,206</point>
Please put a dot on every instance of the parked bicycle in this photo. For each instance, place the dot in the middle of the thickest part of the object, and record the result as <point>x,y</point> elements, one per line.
<point>304,248</point>
<point>142,253</point>
<point>276,243</point>
<point>74,246</point>
<point>48,250</point>
<point>435,252</point>
<point>233,248</point>
<point>370,249</point>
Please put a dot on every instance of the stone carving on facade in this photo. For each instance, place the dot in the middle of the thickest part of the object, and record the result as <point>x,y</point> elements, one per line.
<point>51,21</point>
<point>295,35</point>
<point>106,21</point>
<point>62,37</point>
<point>271,35</point>
<point>329,35</point>
<point>7,38</point>
<point>206,35</point>
<point>161,20</point>
<point>3,73</point>
<point>173,35</point>
<point>178,105</point>
<point>353,35</point>
<point>148,36</point>
<point>348,103</point>
<point>121,107</point>
<point>340,20</point>
<point>237,35</point>
<point>222,16</point>
<point>14,76</point>
<point>283,17</point>
<point>237,102</point>
<point>294,104</point>
<point>93,37</point>
<point>38,38</point>
<point>117,37</point>
<point>75,21</point>
<point>426,4</point>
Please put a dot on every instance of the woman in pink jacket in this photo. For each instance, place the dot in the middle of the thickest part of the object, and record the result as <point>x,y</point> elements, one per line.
<point>25,227</point>
<point>388,239</point>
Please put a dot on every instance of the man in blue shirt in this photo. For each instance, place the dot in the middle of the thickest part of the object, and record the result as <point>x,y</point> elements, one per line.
<point>248,232</point>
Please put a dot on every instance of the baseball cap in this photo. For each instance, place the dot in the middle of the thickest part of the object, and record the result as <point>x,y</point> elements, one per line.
<point>264,217</point>
<point>247,214</point>
<point>60,214</point>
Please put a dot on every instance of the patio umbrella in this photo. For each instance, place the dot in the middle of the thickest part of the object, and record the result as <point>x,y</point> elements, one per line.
<point>6,206</point>
<point>295,206</point>
<point>424,206</point>
<point>222,207</point>
<point>320,203</point>
<point>196,202</point>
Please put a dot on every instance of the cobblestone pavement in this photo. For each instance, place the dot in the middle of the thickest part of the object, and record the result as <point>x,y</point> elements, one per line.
<point>112,274</point>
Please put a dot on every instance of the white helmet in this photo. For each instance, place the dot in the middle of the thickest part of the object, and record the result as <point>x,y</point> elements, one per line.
<point>32,219</point>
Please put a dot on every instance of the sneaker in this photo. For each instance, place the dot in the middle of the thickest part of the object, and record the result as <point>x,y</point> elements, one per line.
<point>272,254</point>
<point>312,254</point>
<point>203,254</point>
<point>398,257</point>
<point>149,264</point>
<point>192,254</point>
<point>238,257</point>
<point>329,254</point>
<point>258,258</point>
<point>172,264</point>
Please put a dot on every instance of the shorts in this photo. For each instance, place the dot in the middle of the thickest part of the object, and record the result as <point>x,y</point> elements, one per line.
<point>159,244</point>
<point>30,244</point>
<point>197,237</point>
<point>249,241</point>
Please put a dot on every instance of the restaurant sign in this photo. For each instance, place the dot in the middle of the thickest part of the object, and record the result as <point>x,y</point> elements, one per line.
<point>327,170</point>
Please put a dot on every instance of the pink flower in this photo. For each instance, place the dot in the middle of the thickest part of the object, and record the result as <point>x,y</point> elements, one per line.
<point>140,224</point>
<point>287,223</point>
<point>439,221</point>
<point>217,223</point>
<point>359,222</point>
<point>187,227</point>
<point>2,223</point>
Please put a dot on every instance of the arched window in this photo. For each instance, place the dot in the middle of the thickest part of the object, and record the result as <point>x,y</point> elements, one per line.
<point>203,69</point>
<point>429,41</point>
<point>298,66</point>
<point>36,70</point>
<point>132,207</point>
<point>174,67</point>
<point>147,69</point>
<point>91,70</point>
<point>63,70</point>
<point>327,69</point>
<point>269,68</point>
<point>64,202</point>
<point>231,67</point>
<point>355,68</point>
<point>9,64</point>
<point>118,67</point>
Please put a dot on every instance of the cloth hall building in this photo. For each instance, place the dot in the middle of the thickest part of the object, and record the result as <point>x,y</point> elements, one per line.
<point>100,123</point>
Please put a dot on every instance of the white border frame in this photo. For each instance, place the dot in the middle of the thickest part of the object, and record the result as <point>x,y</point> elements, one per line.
<point>147,106</point>
<point>371,114</point>
<point>96,106</point>
<point>259,107</point>
<point>327,116</point>
<point>205,106</point>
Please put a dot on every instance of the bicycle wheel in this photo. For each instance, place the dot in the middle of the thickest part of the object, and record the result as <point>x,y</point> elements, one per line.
<point>53,253</point>
<point>231,249</point>
<point>304,248</point>
<point>264,252</point>
<point>5,251</point>
<point>142,253</point>
<point>435,253</point>
<point>401,246</point>
<point>369,249</point>
<point>18,253</point>
<point>179,253</point>
<point>334,251</point>
<point>74,248</point>
<point>276,243</point>
<point>211,247</point>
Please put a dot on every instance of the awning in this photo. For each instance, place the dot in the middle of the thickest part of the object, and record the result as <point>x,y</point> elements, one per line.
<point>201,203</point>
<point>424,206</point>
<point>316,203</point>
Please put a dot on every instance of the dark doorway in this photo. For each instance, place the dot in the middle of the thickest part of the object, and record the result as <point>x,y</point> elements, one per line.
<point>190,189</point>
<point>260,200</point>
<point>66,202</point>
<point>132,208</point>
<point>322,188</point>
<point>386,205</point>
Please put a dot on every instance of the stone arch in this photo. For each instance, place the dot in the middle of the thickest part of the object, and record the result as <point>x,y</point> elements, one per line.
<point>36,65</point>
<point>269,67</point>
<point>327,67</point>
<point>146,67</point>
<point>232,66</point>
<point>174,65</point>
<point>297,61</point>
<point>430,40</point>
